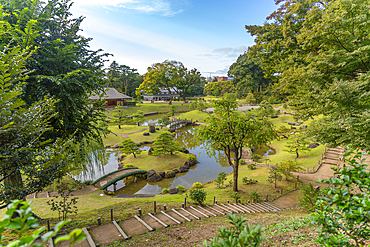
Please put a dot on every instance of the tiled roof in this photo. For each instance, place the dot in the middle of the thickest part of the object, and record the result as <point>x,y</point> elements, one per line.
<point>111,93</point>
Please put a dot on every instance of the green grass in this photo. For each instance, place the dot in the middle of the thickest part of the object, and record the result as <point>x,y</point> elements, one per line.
<point>139,137</point>
<point>126,129</point>
<point>157,162</point>
<point>195,115</point>
<point>112,140</point>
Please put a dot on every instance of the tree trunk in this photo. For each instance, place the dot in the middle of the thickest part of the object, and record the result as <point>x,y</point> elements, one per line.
<point>14,182</point>
<point>296,151</point>
<point>119,126</point>
<point>235,185</point>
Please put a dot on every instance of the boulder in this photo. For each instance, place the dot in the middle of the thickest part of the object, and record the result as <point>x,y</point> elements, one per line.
<point>120,167</point>
<point>155,178</point>
<point>170,174</point>
<point>173,191</point>
<point>284,121</point>
<point>120,158</point>
<point>145,142</point>
<point>183,169</point>
<point>156,128</point>
<point>118,146</point>
<point>304,126</point>
<point>158,178</point>
<point>185,151</point>
<point>171,130</point>
<point>292,133</point>
<point>151,173</point>
<point>298,124</point>
<point>162,174</point>
<point>192,162</point>
<point>291,123</point>
<point>145,134</point>
<point>139,144</point>
<point>176,170</point>
<point>151,129</point>
<point>186,164</point>
<point>313,145</point>
<point>293,128</point>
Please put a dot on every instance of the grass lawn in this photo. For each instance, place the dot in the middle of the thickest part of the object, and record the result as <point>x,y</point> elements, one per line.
<point>195,115</point>
<point>157,162</point>
<point>126,129</point>
<point>139,137</point>
<point>112,140</point>
<point>153,107</point>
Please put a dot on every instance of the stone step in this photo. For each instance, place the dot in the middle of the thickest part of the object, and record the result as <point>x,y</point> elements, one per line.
<point>132,227</point>
<point>100,236</point>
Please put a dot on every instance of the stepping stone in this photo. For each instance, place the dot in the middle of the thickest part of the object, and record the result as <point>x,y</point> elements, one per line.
<point>106,234</point>
<point>132,227</point>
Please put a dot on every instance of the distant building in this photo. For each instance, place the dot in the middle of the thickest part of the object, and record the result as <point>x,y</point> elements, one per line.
<point>163,95</point>
<point>112,96</point>
<point>222,78</point>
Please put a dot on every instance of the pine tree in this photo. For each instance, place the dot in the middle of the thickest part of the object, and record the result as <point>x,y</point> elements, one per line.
<point>297,143</point>
<point>119,115</point>
<point>139,117</point>
<point>165,144</point>
<point>130,147</point>
<point>274,175</point>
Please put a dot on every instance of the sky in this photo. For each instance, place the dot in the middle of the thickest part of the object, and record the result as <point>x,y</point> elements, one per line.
<point>202,34</point>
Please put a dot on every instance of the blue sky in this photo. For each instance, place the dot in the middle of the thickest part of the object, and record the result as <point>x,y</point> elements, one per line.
<point>203,34</point>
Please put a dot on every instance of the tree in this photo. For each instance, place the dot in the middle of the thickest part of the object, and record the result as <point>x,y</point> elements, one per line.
<point>121,77</point>
<point>287,167</point>
<point>250,98</point>
<point>130,147</point>
<point>265,109</point>
<point>163,121</point>
<point>247,74</point>
<point>342,208</point>
<point>297,143</point>
<point>139,117</point>
<point>165,144</point>
<point>230,131</point>
<point>219,88</point>
<point>120,116</point>
<point>173,110</point>
<point>316,50</point>
<point>274,175</point>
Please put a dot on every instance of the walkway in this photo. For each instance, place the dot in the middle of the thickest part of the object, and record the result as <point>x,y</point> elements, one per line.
<point>114,176</point>
<point>119,231</point>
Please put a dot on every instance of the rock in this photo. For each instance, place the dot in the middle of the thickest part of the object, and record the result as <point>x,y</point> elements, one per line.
<point>145,142</point>
<point>150,151</point>
<point>156,128</point>
<point>275,114</point>
<point>170,174</point>
<point>291,123</point>
<point>118,146</point>
<point>151,129</point>
<point>171,130</point>
<point>304,126</point>
<point>151,142</point>
<point>155,178</point>
<point>151,173</point>
<point>186,164</point>
<point>120,158</point>
<point>293,128</point>
<point>313,145</point>
<point>162,174</point>
<point>297,124</point>
<point>176,170</point>
<point>183,169</point>
<point>173,191</point>
<point>158,178</point>
<point>292,133</point>
<point>185,151</point>
<point>284,121</point>
<point>121,167</point>
<point>192,162</point>
<point>139,144</point>
<point>145,134</point>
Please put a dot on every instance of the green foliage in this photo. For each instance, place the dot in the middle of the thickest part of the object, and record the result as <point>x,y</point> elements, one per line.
<point>342,208</point>
<point>283,129</point>
<point>247,181</point>
<point>138,117</point>
<point>252,166</point>
<point>165,144</point>
<point>274,175</point>
<point>219,88</point>
<point>250,98</point>
<point>123,78</point>
<point>230,131</point>
<point>221,178</point>
<point>309,196</point>
<point>242,162</point>
<point>288,166</point>
<point>255,196</point>
<point>192,157</point>
<point>65,206</point>
<point>164,120</point>
<point>129,165</point>
<point>240,234</point>
<point>173,110</point>
<point>198,185</point>
<point>130,147</point>
<point>165,191</point>
<point>26,229</point>
<point>265,109</point>
<point>181,188</point>
<point>119,115</point>
<point>197,195</point>
<point>197,105</point>
<point>297,143</point>
<point>256,157</point>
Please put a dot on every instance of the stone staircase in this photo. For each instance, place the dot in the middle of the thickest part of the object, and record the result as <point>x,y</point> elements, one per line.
<point>119,231</point>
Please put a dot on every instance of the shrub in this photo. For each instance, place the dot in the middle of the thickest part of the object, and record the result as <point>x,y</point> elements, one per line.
<point>309,196</point>
<point>273,116</point>
<point>165,191</point>
<point>285,105</point>
<point>198,195</point>
<point>230,182</point>
<point>240,234</point>
<point>192,157</point>
<point>221,178</point>
<point>255,196</point>
<point>245,180</point>
<point>256,157</point>
<point>242,162</point>
<point>197,185</point>
<point>180,188</point>
<point>252,166</point>
<point>128,165</point>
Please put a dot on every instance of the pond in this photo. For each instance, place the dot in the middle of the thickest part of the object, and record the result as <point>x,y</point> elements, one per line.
<point>205,171</point>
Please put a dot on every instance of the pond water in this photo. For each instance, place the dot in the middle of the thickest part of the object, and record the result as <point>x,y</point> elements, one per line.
<point>205,171</point>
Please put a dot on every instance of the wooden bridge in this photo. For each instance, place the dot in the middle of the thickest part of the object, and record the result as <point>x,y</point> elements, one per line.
<point>111,178</point>
<point>178,122</point>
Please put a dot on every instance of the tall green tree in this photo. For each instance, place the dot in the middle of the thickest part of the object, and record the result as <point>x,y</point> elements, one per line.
<point>138,117</point>
<point>297,144</point>
<point>165,144</point>
<point>119,115</point>
<point>230,131</point>
<point>130,147</point>
<point>219,88</point>
<point>274,175</point>
<point>122,77</point>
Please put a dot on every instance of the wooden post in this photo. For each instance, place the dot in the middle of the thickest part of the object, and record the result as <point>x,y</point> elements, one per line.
<point>48,222</point>
<point>155,207</point>
<point>281,191</point>
<point>140,213</point>
<point>111,214</point>
<point>267,198</point>
<point>249,201</point>
<point>239,200</point>
<point>214,199</point>
<point>114,187</point>
<point>185,203</point>
<point>165,207</point>
<point>99,221</point>
<point>227,201</point>
<point>236,199</point>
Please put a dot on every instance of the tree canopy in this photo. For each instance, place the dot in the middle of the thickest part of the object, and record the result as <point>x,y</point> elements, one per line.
<point>318,51</point>
<point>123,78</point>
<point>219,88</point>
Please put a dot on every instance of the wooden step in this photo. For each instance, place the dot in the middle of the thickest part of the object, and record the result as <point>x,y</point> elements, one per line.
<point>143,222</point>
<point>167,218</point>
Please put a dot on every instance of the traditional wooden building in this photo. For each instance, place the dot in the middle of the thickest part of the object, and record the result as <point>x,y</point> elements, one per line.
<point>163,95</point>
<point>112,96</point>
